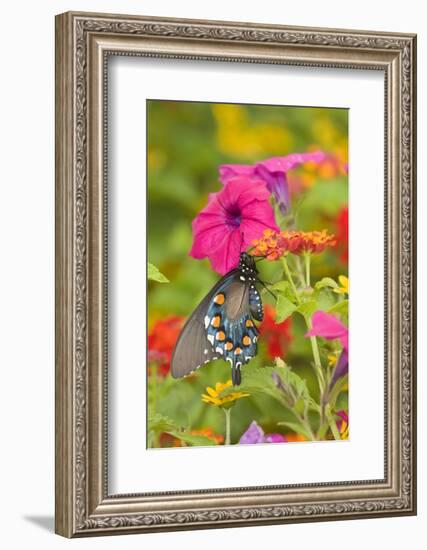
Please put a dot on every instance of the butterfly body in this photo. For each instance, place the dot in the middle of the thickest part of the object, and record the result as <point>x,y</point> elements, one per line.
<point>222,325</point>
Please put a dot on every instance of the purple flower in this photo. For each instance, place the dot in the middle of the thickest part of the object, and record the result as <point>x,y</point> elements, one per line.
<point>231,220</point>
<point>255,434</point>
<point>341,368</point>
<point>273,171</point>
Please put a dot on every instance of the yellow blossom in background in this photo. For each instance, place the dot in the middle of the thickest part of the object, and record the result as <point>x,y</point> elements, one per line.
<point>155,159</point>
<point>214,397</point>
<point>237,136</point>
<point>344,288</point>
<point>324,131</point>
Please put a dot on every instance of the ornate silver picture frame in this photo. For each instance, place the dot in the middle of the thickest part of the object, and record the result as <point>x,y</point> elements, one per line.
<point>84,42</point>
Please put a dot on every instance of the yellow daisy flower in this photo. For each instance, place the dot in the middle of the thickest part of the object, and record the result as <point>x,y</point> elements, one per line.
<point>344,288</point>
<point>214,397</point>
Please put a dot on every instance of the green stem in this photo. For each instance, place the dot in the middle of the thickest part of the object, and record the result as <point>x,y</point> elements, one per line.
<point>299,270</point>
<point>305,423</point>
<point>314,347</point>
<point>332,424</point>
<point>316,357</point>
<point>290,279</point>
<point>307,259</point>
<point>313,339</point>
<point>227,413</point>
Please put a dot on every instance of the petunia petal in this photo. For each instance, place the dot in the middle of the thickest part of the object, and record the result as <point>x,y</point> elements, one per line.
<point>240,191</point>
<point>275,438</point>
<point>226,256</point>
<point>230,221</point>
<point>207,237</point>
<point>283,164</point>
<point>228,171</point>
<point>329,327</point>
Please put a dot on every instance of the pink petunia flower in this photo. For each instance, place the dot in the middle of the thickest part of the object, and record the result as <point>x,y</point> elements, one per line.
<point>273,171</point>
<point>329,327</point>
<point>231,220</point>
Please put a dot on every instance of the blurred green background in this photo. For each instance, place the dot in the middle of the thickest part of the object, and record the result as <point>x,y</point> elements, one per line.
<point>187,142</point>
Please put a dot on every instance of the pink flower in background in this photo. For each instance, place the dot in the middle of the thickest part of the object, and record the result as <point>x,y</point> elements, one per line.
<point>329,327</point>
<point>273,171</point>
<point>231,220</point>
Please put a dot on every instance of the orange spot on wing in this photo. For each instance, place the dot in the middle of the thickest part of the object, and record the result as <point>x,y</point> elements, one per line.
<point>249,323</point>
<point>238,351</point>
<point>229,346</point>
<point>219,299</point>
<point>216,321</point>
<point>246,340</point>
<point>220,336</point>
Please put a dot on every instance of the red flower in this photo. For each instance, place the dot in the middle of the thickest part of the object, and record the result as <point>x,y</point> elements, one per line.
<point>277,336</point>
<point>231,220</point>
<point>342,234</point>
<point>161,341</point>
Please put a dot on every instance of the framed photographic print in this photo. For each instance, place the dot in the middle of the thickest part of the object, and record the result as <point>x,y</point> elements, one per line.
<point>218,186</point>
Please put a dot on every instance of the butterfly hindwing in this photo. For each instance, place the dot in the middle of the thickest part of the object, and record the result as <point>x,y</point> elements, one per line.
<point>229,325</point>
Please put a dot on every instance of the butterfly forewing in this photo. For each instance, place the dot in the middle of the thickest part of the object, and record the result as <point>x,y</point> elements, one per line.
<point>222,326</point>
<point>192,348</point>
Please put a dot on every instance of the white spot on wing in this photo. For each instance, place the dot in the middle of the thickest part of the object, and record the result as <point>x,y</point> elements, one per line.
<point>219,350</point>
<point>211,338</point>
<point>206,321</point>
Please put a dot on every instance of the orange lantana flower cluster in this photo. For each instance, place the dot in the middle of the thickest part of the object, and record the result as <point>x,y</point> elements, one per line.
<point>272,245</point>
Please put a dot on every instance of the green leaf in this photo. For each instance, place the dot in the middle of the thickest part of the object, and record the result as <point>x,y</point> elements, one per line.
<point>256,380</point>
<point>326,282</point>
<point>196,440</point>
<point>284,288</point>
<point>340,384</point>
<point>307,308</point>
<point>300,406</point>
<point>154,274</point>
<point>284,308</point>
<point>340,307</point>
<point>290,378</point>
<point>160,423</point>
<point>325,299</point>
<point>281,286</point>
<point>297,428</point>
